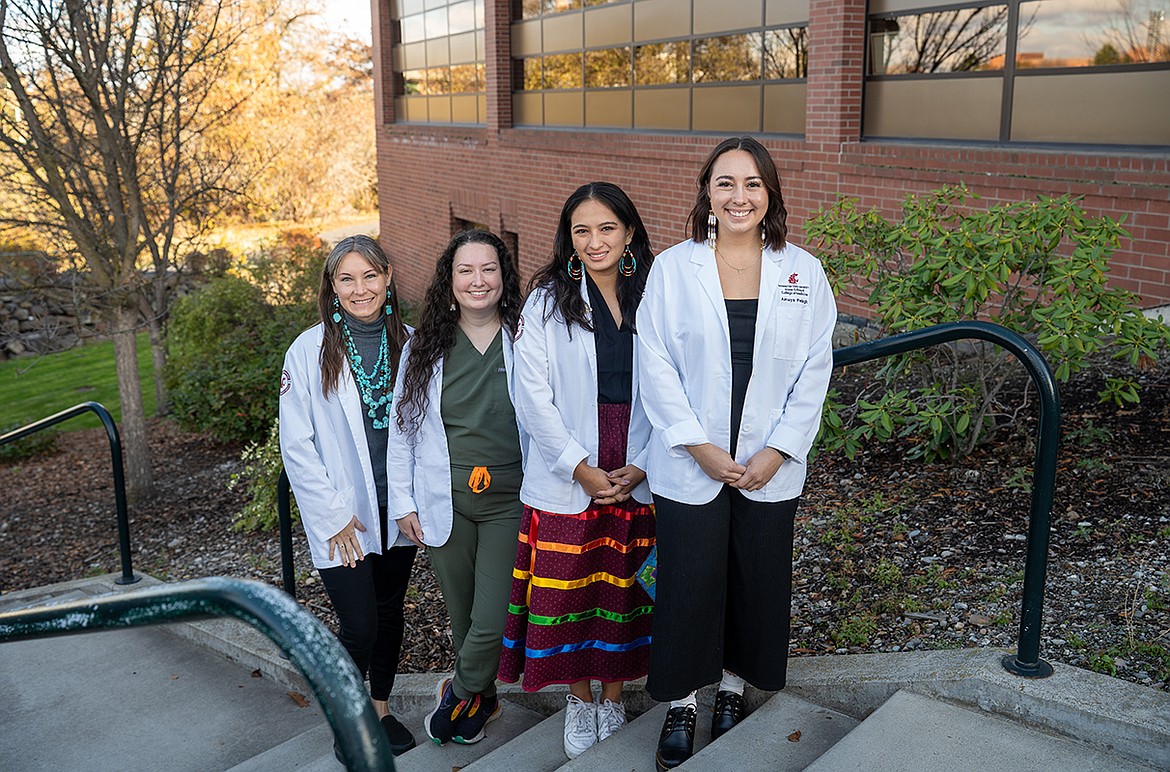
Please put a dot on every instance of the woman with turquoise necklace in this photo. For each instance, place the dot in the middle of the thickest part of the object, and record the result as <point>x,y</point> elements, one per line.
<point>335,395</point>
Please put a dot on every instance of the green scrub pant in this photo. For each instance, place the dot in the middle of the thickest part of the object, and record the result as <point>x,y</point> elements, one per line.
<point>475,574</point>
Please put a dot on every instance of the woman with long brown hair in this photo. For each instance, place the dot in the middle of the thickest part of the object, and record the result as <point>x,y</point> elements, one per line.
<point>577,613</point>
<point>455,464</point>
<point>335,396</point>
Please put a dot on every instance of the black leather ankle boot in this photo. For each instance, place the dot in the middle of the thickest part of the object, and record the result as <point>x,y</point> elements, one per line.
<point>677,742</point>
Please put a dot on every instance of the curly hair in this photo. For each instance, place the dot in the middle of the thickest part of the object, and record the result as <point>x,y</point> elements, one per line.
<point>776,218</point>
<point>553,275</point>
<point>332,359</point>
<point>439,317</point>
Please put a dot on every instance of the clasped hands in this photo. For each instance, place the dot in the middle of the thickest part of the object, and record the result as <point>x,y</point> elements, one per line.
<point>608,487</point>
<point>718,464</point>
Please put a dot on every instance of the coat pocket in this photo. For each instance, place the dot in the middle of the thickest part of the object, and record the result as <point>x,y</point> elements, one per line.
<point>792,331</point>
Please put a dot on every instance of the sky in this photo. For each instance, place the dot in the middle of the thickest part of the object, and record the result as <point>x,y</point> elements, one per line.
<point>352,16</point>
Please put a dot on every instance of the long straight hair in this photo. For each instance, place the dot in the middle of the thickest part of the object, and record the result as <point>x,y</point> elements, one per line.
<point>332,357</point>
<point>565,291</point>
<point>437,323</point>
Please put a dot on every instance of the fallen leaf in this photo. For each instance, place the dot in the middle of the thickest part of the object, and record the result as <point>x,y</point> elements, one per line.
<point>174,676</point>
<point>794,737</point>
<point>256,673</point>
<point>301,700</point>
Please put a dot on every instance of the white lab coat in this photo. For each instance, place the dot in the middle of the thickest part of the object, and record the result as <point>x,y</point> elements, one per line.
<point>323,444</point>
<point>418,465</point>
<point>556,403</point>
<point>685,366</point>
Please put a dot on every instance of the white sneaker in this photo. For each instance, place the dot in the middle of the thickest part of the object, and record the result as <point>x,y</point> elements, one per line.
<point>611,716</point>
<point>580,726</point>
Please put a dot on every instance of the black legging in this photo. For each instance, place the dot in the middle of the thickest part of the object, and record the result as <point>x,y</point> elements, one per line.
<point>368,600</point>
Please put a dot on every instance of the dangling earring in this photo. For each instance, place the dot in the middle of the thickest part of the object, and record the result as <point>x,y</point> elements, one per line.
<point>712,227</point>
<point>627,264</point>
<point>452,306</point>
<point>389,308</point>
<point>575,270</point>
<point>763,235</point>
<point>337,312</point>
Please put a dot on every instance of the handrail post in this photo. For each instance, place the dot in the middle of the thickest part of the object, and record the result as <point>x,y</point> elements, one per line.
<point>127,576</point>
<point>107,420</point>
<point>284,511</point>
<point>1026,661</point>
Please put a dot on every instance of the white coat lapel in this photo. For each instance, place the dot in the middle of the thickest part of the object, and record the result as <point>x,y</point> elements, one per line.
<point>585,337</point>
<point>351,405</point>
<point>707,276</point>
<point>771,274</point>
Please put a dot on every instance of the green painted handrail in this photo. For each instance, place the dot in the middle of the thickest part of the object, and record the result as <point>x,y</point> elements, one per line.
<point>107,420</point>
<point>1026,661</point>
<point>310,645</point>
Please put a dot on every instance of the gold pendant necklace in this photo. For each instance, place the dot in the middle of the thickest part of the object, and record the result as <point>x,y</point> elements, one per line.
<point>733,266</point>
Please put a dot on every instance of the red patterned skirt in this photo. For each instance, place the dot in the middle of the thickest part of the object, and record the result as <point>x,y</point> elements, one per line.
<point>577,610</point>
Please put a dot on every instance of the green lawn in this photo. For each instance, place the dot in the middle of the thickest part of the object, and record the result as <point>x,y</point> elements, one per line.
<point>35,387</point>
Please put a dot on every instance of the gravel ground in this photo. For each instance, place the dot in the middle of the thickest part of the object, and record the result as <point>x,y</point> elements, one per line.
<point>891,555</point>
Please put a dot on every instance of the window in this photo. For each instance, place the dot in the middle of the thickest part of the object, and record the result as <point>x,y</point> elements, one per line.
<point>960,40</point>
<point>1060,71</point>
<point>531,9</point>
<point>786,53</point>
<point>728,58</point>
<point>617,64</point>
<point>1061,33</point>
<point>440,58</point>
<point>660,63</point>
<point>607,68</point>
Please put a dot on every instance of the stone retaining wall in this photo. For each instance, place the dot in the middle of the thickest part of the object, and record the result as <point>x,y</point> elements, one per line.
<point>44,316</point>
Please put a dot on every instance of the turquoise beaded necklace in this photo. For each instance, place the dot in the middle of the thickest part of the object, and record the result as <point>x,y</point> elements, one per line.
<point>378,381</point>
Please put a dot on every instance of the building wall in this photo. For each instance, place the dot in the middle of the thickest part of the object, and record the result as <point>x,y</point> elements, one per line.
<point>432,178</point>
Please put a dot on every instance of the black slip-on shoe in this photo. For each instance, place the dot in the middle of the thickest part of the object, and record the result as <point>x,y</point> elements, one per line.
<point>401,740</point>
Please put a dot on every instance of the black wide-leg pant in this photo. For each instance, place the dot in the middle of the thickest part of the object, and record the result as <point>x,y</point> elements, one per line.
<point>723,593</point>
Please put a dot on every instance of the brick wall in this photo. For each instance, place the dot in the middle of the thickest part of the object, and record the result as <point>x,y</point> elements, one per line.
<point>515,180</point>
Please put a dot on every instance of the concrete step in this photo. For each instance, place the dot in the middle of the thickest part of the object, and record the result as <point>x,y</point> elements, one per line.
<point>630,750</point>
<point>768,739</point>
<point>514,720</point>
<point>539,749</point>
<point>310,751</point>
<point>183,696</point>
<point>914,732</point>
<point>134,700</point>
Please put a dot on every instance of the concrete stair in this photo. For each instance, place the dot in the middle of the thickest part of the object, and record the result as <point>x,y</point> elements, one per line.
<point>914,732</point>
<point>184,697</point>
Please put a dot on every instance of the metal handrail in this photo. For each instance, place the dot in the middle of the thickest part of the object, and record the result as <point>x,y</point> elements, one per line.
<point>310,645</point>
<point>1026,661</point>
<point>107,420</point>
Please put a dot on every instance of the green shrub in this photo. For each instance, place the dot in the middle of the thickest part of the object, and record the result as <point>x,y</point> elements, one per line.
<point>39,443</point>
<point>262,465</point>
<point>288,268</point>
<point>1036,267</point>
<point>226,348</point>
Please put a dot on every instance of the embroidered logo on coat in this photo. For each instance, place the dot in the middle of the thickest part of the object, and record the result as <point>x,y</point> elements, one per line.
<point>792,279</point>
<point>519,328</point>
<point>285,382</point>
